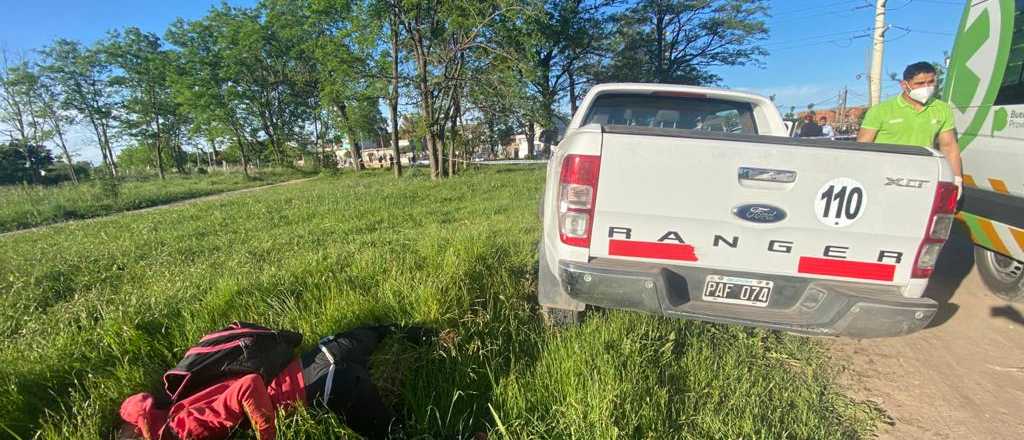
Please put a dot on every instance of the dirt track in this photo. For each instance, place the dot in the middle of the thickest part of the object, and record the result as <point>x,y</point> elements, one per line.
<point>164,206</point>
<point>961,378</point>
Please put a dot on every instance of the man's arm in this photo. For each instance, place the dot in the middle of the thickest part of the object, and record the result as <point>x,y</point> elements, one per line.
<point>950,148</point>
<point>866,135</point>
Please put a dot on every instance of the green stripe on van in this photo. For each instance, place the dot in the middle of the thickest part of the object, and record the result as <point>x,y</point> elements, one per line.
<point>978,234</point>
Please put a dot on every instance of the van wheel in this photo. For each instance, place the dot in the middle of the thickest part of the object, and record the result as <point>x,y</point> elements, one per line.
<point>558,318</point>
<point>1003,275</point>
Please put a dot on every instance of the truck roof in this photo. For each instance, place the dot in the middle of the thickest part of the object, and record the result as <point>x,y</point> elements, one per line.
<point>711,92</point>
<point>647,88</point>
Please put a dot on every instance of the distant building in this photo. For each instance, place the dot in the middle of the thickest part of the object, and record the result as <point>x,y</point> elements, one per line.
<point>853,115</point>
<point>843,126</point>
<point>518,147</point>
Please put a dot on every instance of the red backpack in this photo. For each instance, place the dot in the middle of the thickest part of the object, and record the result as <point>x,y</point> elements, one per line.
<point>240,348</point>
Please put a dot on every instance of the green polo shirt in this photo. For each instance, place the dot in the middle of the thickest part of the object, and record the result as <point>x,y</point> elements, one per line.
<point>898,123</point>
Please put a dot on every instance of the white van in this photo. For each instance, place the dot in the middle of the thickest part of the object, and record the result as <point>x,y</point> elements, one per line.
<point>985,87</point>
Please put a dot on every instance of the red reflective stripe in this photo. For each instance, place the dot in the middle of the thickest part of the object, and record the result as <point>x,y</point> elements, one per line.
<point>232,332</point>
<point>212,348</point>
<point>847,269</point>
<point>661,251</point>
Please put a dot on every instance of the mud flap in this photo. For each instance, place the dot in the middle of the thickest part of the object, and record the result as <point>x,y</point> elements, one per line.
<point>549,289</point>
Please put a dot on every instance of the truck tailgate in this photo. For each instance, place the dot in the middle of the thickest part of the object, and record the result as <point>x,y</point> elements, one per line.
<point>741,205</point>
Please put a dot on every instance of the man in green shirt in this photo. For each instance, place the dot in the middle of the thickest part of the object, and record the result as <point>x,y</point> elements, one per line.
<point>915,118</point>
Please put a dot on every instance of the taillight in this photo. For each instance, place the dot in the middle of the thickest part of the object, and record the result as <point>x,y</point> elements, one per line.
<point>577,192</point>
<point>940,222</point>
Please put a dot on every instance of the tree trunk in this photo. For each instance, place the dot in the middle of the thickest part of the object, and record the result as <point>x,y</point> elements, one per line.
<point>426,102</point>
<point>158,146</point>
<point>159,159</point>
<point>99,141</point>
<point>105,143</point>
<point>571,73</point>
<point>531,135</point>
<point>659,38</point>
<point>456,110</point>
<point>59,130</point>
<point>213,146</point>
<point>357,153</point>
<point>317,130</point>
<point>241,150</point>
<point>393,96</point>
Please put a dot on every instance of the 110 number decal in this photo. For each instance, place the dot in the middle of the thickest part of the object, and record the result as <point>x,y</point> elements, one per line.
<point>840,202</point>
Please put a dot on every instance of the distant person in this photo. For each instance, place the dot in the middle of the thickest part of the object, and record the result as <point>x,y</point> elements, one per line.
<point>826,128</point>
<point>915,118</point>
<point>810,128</point>
<point>217,411</point>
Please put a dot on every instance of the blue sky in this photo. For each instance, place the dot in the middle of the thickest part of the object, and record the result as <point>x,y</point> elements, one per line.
<point>816,47</point>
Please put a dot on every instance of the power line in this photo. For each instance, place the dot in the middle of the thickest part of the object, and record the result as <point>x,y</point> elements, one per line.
<point>842,43</point>
<point>804,9</point>
<point>815,37</point>
<point>845,12</point>
<point>908,30</point>
<point>791,15</point>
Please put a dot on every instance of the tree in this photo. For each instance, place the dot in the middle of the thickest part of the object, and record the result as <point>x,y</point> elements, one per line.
<point>678,41</point>
<point>83,74</point>
<point>30,105</point>
<point>140,157</point>
<point>444,40</point>
<point>149,113</point>
<point>50,110</point>
<point>18,86</point>
<point>394,14</point>
<point>23,162</point>
<point>202,84</point>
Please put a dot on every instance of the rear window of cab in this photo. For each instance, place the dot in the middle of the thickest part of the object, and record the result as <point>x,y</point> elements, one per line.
<point>672,112</point>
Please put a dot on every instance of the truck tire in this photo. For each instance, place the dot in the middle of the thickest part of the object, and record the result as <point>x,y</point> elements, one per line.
<point>1003,275</point>
<point>549,291</point>
<point>560,318</point>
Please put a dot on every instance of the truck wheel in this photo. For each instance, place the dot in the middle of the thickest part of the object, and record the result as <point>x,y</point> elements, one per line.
<point>1003,275</point>
<point>558,318</point>
<point>550,297</point>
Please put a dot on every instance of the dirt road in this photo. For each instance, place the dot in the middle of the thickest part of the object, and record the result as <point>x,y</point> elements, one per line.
<point>961,378</point>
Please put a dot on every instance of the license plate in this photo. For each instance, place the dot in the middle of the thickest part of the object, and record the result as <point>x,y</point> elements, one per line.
<point>733,290</point>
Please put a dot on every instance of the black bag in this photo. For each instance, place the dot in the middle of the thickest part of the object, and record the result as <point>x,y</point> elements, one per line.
<point>240,348</point>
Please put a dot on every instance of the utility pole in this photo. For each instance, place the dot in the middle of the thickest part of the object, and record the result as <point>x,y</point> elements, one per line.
<point>841,114</point>
<point>878,43</point>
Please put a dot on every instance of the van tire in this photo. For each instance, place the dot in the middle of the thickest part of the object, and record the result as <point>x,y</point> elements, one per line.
<point>1003,275</point>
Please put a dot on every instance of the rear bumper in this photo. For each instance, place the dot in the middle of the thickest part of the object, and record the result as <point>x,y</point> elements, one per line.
<point>800,305</point>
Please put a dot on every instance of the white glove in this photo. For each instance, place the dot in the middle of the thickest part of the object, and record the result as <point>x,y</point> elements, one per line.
<point>959,182</point>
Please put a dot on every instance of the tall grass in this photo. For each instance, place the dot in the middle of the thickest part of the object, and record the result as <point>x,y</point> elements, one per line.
<point>89,315</point>
<point>25,206</point>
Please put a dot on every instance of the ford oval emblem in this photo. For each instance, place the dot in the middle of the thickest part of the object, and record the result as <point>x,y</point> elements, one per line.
<point>759,213</point>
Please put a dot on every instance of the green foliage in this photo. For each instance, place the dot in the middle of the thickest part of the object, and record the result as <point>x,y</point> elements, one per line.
<point>139,158</point>
<point>152,116</point>
<point>23,163</point>
<point>327,255</point>
<point>677,41</point>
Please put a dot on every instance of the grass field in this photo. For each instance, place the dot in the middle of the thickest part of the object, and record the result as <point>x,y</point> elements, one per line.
<point>28,206</point>
<point>90,313</point>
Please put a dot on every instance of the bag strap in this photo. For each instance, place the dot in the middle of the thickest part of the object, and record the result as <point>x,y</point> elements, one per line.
<point>330,374</point>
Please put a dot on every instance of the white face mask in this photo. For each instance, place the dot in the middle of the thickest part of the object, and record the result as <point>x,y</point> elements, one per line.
<point>922,94</point>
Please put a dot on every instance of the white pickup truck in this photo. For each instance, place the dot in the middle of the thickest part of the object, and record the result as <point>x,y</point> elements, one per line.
<point>690,202</point>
